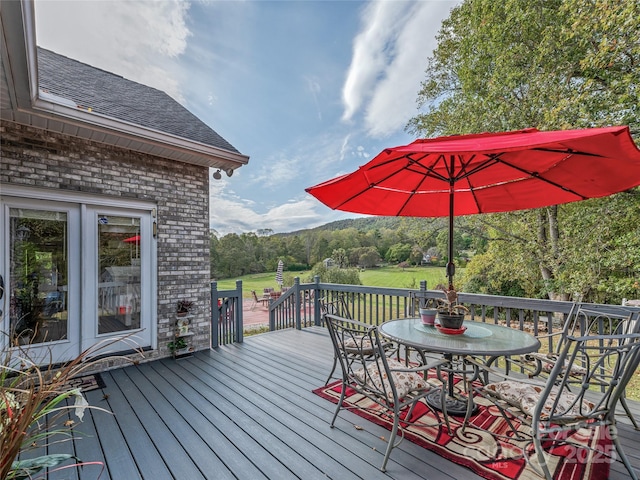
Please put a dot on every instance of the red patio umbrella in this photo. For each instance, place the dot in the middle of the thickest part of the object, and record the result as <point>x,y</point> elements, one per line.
<point>135,239</point>
<point>487,172</point>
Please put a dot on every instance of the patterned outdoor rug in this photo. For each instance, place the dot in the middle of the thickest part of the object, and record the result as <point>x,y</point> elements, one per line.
<point>492,457</point>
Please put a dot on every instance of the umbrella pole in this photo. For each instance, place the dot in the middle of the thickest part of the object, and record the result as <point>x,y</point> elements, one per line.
<point>451,268</point>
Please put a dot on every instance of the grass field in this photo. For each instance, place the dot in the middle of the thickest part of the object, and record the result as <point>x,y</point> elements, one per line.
<point>375,277</point>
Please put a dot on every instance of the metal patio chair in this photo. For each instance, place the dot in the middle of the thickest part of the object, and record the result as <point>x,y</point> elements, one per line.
<point>338,306</point>
<point>583,319</point>
<point>367,369</point>
<point>560,405</point>
<point>334,306</point>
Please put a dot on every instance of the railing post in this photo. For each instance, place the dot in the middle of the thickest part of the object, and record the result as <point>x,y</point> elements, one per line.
<point>215,315</point>
<point>239,321</point>
<point>296,292</point>
<point>316,301</point>
<point>272,317</point>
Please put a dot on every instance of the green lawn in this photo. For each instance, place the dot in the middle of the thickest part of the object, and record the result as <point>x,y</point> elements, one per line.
<point>403,278</point>
<point>374,277</point>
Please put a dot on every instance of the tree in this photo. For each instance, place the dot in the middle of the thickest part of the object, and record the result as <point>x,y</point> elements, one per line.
<point>340,258</point>
<point>550,64</point>
<point>544,63</point>
<point>320,249</point>
<point>398,253</point>
<point>369,257</point>
<point>442,243</point>
<point>416,255</point>
<point>214,258</point>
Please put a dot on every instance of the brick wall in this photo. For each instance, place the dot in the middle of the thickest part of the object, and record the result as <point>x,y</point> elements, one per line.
<point>34,157</point>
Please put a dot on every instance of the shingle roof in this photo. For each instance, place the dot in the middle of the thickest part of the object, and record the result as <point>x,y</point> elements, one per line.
<point>122,99</point>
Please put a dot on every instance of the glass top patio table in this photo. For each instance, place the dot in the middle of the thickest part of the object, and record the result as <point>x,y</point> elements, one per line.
<point>478,338</point>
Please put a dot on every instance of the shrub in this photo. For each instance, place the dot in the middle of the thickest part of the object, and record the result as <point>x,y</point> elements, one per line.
<point>343,276</point>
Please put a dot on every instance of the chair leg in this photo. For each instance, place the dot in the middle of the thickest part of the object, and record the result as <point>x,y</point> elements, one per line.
<point>623,456</point>
<point>392,440</point>
<point>623,402</point>
<point>333,369</point>
<point>537,444</point>
<point>339,406</point>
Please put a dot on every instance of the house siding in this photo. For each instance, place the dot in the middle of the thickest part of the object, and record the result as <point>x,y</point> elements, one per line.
<point>32,157</point>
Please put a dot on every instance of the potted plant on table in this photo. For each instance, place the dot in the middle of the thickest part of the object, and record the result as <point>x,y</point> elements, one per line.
<point>450,312</point>
<point>428,311</point>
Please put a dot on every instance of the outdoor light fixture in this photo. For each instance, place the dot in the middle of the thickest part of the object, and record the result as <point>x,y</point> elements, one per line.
<point>217,175</point>
<point>229,172</point>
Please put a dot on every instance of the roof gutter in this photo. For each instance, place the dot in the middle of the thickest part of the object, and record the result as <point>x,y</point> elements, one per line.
<point>48,105</point>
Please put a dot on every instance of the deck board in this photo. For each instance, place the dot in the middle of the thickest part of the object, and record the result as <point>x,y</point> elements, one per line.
<point>247,411</point>
<point>189,431</point>
<point>151,440</point>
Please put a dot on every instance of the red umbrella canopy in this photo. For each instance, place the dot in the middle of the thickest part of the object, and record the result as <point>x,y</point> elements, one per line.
<point>135,239</point>
<point>488,172</point>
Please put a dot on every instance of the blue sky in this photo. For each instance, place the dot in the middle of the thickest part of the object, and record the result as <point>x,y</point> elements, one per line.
<point>308,89</point>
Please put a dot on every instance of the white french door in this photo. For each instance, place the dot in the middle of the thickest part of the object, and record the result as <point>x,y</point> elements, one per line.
<point>76,275</point>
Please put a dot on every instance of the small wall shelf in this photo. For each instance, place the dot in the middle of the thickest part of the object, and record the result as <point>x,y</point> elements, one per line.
<point>181,345</point>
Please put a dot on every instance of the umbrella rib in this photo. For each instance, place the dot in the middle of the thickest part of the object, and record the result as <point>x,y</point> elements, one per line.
<point>490,161</point>
<point>417,162</point>
<point>569,152</point>
<point>541,178</point>
<point>371,185</point>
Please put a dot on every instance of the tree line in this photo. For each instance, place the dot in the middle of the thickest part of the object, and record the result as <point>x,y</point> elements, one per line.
<point>364,243</point>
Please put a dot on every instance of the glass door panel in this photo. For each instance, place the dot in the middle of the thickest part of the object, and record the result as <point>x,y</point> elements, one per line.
<point>75,276</point>
<point>119,273</point>
<point>39,274</point>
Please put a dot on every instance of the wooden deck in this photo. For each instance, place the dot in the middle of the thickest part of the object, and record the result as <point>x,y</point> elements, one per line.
<point>246,411</point>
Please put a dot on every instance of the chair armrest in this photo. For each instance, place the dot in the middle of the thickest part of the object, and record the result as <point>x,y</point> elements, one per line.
<point>487,370</point>
<point>549,335</point>
<point>530,368</point>
<point>422,368</point>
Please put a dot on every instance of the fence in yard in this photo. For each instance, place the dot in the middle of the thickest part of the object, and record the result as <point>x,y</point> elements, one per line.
<point>300,307</point>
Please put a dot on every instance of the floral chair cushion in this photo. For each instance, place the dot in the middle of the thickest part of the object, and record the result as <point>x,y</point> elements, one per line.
<point>526,396</point>
<point>405,382</point>
<point>359,343</point>
<point>548,361</point>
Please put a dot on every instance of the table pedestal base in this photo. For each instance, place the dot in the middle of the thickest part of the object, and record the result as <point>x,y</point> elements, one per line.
<point>455,406</point>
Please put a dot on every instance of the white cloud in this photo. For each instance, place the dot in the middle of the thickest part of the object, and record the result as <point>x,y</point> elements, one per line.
<point>231,214</point>
<point>138,40</point>
<point>361,152</point>
<point>308,160</point>
<point>344,147</point>
<point>314,89</point>
<point>276,172</point>
<point>389,57</point>
<point>370,52</point>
